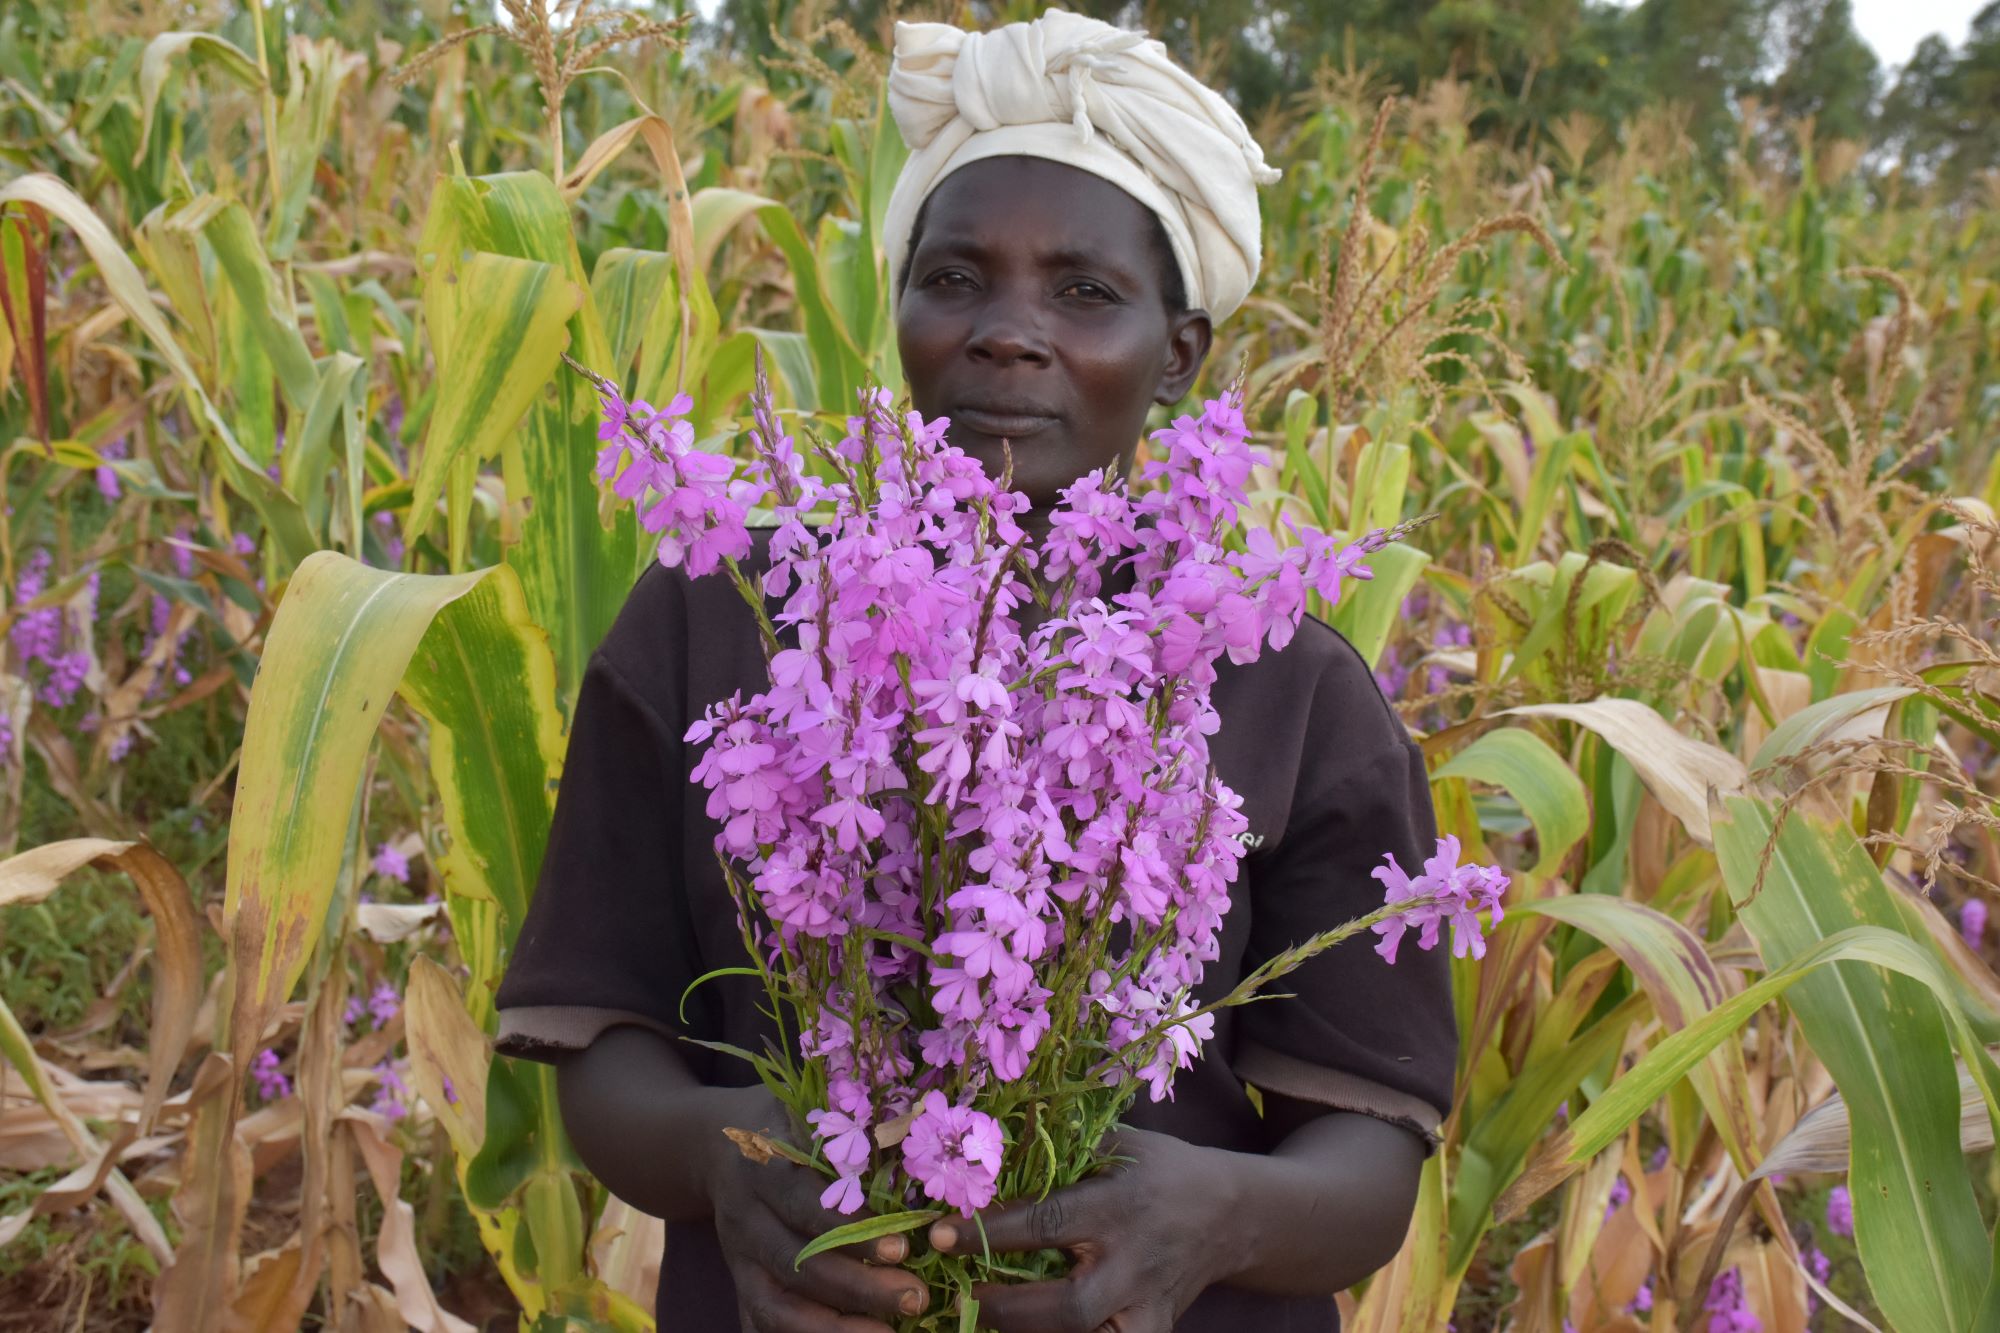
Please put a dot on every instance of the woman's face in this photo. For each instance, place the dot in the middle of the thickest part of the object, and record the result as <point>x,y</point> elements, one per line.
<point>1034,313</point>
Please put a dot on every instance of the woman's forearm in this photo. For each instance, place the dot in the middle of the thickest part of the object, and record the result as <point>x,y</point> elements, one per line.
<point>1328,1207</point>
<point>646,1126</point>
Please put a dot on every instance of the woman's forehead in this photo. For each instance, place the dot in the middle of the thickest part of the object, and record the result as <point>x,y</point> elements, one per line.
<point>1057,212</point>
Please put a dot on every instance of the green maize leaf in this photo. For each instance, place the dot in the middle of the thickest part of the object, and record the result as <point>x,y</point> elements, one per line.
<point>1301,412</point>
<point>496,328</point>
<point>199,48</point>
<point>1917,1223</point>
<point>1368,611</point>
<point>625,286</point>
<point>1551,470</point>
<point>334,654</point>
<point>316,70</point>
<point>837,362</point>
<point>484,678</point>
<point>330,312</point>
<point>868,1228</point>
<point>791,359</point>
<point>1497,1145</point>
<point>574,569</point>
<point>247,379</point>
<point>227,226</point>
<point>1549,792</point>
<point>1671,964</point>
<point>1607,590</point>
<point>1826,649</point>
<point>171,253</point>
<point>341,396</point>
<point>1381,480</point>
<point>283,519</point>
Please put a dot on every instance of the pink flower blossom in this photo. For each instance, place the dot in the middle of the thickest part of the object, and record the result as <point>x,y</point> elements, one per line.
<point>954,1153</point>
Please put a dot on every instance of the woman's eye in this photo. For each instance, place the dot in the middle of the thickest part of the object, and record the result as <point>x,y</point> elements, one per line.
<point>948,278</point>
<point>1088,290</point>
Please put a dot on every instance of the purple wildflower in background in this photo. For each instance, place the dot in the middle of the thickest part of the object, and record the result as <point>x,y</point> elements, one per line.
<point>1726,1306</point>
<point>272,1085</point>
<point>450,1092</point>
<point>391,864</point>
<point>6,739</point>
<point>1972,922</point>
<point>107,477</point>
<point>1391,675</point>
<point>1840,1212</point>
<point>1657,1160</point>
<point>1621,1194</point>
<point>36,635</point>
<point>356,1008</point>
<point>392,541</point>
<point>181,555</point>
<point>66,677</point>
<point>383,1005</point>
<point>392,1095</point>
<point>243,544</point>
<point>1642,1300</point>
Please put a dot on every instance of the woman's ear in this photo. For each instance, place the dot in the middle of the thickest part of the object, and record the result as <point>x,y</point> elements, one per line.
<point>1189,337</point>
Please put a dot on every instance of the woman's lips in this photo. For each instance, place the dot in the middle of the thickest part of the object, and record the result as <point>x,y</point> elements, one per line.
<point>1006,425</point>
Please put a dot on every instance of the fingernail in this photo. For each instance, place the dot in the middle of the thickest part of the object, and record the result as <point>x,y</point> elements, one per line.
<point>891,1250</point>
<point>943,1236</point>
<point>912,1302</point>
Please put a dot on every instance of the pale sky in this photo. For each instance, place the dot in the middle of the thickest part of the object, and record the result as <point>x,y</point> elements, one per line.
<point>1894,27</point>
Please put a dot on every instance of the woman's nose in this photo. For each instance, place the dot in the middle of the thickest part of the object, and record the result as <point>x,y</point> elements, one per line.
<point>1004,336</point>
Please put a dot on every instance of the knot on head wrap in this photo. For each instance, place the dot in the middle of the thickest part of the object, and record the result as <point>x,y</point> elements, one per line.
<point>1107,100</point>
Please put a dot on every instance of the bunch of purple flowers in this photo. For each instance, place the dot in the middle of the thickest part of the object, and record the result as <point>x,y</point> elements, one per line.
<point>979,851</point>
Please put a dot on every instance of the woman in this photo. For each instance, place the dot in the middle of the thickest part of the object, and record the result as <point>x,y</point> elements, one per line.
<point>1076,214</point>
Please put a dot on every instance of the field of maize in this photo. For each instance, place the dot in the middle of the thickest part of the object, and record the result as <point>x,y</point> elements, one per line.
<point>303,558</point>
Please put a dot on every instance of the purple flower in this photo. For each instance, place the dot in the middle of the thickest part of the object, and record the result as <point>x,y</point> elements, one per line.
<point>355,1008</point>
<point>942,814</point>
<point>242,544</point>
<point>271,1083</point>
<point>66,676</point>
<point>383,1005</point>
<point>1445,893</point>
<point>1972,922</point>
<point>391,864</point>
<point>107,477</point>
<point>1621,1194</point>
<point>1726,1306</point>
<point>1642,1301</point>
<point>1840,1212</point>
<point>36,635</point>
<point>392,1094</point>
<point>954,1152</point>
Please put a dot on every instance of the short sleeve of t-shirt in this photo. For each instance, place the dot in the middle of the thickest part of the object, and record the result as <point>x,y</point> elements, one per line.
<point>1361,1034</point>
<point>609,936</point>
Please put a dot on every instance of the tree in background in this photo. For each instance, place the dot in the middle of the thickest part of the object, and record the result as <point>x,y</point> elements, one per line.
<point>1531,63</point>
<point>1941,118</point>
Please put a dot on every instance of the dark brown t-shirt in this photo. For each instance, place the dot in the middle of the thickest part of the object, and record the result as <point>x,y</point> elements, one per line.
<point>631,905</point>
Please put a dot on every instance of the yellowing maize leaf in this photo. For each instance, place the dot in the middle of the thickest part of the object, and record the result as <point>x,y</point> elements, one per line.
<point>496,327</point>
<point>337,647</point>
<point>1679,770</point>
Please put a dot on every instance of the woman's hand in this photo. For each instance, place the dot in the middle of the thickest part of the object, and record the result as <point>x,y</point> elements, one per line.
<point>765,1213</point>
<point>653,1133</point>
<point>1148,1236</point>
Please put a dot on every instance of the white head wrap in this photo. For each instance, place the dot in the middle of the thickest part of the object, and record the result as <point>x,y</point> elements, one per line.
<point>1107,100</point>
